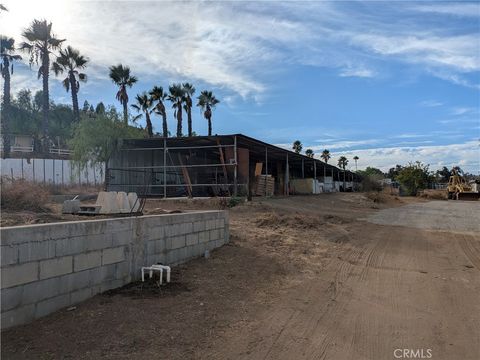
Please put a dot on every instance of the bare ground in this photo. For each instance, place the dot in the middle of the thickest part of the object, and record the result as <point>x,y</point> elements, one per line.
<point>325,277</point>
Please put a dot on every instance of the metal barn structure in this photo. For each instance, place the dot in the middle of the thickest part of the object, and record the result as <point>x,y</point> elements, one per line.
<point>221,165</point>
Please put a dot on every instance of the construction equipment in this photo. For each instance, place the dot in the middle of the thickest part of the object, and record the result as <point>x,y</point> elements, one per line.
<point>458,189</point>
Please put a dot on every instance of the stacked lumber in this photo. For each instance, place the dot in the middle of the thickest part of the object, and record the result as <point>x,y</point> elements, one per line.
<point>265,185</point>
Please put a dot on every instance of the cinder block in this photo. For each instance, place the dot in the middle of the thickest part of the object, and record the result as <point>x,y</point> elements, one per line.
<point>122,270</point>
<point>122,238</point>
<point>41,290</point>
<point>214,235</point>
<point>80,295</point>
<point>98,242</point>
<point>70,246</point>
<point>87,260</point>
<point>11,297</point>
<point>199,226</point>
<point>220,223</point>
<point>19,274</point>
<point>192,239</point>
<point>101,274</point>
<point>178,242</point>
<point>151,247</point>
<point>160,246</point>
<point>185,228</point>
<point>74,281</point>
<point>18,316</point>
<point>33,251</point>
<point>112,284</point>
<point>155,233</point>
<point>210,224</point>
<point>9,255</point>
<point>56,267</point>
<point>204,236</point>
<point>113,255</point>
<point>48,306</point>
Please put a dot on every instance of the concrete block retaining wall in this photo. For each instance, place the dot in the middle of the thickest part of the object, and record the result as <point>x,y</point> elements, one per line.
<point>51,266</point>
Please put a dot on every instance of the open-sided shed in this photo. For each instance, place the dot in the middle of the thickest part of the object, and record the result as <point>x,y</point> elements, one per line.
<point>212,165</point>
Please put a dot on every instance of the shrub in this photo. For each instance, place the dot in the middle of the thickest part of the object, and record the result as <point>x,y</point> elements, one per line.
<point>371,183</point>
<point>23,195</point>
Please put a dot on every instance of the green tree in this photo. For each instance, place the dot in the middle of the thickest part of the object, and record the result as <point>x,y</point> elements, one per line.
<point>297,146</point>
<point>7,57</point>
<point>355,158</point>
<point>371,171</point>
<point>325,156</point>
<point>24,100</point>
<point>100,108</point>
<point>207,102</point>
<point>40,43</point>
<point>309,153</point>
<point>189,90</point>
<point>121,76</point>
<point>177,98</point>
<point>342,163</point>
<point>144,106</point>
<point>414,177</point>
<point>159,96</point>
<point>94,140</point>
<point>71,62</point>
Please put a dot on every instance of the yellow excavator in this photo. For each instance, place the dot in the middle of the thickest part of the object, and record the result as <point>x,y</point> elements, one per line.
<point>458,189</point>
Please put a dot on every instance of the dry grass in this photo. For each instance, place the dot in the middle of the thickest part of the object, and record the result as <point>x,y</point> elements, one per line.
<point>23,195</point>
<point>433,194</point>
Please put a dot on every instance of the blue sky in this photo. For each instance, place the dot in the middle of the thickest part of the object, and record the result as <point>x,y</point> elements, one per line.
<point>390,82</point>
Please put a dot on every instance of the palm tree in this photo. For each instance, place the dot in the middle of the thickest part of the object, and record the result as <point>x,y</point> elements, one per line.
<point>297,146</point>
<point>342,163</point>
<point>70,61</point>
<point>207,103</point>
<point>144,104</point>
<point>325,156</point>
<point>189,91</point>
<point>356,159</point>
<point>160,96</point>
<point>7,57</point>
<point>40,43</point>
<point>309,153</point>
<point>177,97</point>
<point>120,75</point>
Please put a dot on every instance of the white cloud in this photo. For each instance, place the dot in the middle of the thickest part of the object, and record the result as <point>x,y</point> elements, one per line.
<point>457,52</point>
<point>357,72</point>
<point>237,46</point>
<point>430,103</point>
<point>456,9</point>
<point>467,154</point>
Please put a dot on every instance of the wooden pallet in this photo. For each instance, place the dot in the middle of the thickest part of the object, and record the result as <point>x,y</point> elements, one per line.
<point>265,185</point>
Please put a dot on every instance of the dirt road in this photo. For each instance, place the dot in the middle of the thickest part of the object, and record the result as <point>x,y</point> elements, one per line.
<point>328,277</point>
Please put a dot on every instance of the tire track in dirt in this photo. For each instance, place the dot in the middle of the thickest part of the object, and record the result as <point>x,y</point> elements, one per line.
<point>470,250</point>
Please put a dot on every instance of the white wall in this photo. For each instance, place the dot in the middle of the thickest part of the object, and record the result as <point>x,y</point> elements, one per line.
<point>52,171</point>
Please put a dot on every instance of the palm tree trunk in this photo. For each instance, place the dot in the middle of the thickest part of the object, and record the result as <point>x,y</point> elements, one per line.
<point>6,109</point>
<point>179,120</point>
<point>344,180</point>
<point>324,176</point>
<point>125,113</point>
<point>73,87</point>
<point>209,126</point>
<point>189,114</point>
<point>165,126</point>
<point>46,98</point>
<point>149,124</point>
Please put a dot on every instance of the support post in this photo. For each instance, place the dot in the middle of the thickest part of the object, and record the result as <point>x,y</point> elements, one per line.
<point>235,169</point>
<point>303,169</point>
<point>266,169</point>
<point>164,168</point>
<point>287,178</point>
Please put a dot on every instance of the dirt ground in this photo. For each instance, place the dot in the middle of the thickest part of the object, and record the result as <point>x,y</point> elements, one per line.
<point>335,276</point>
